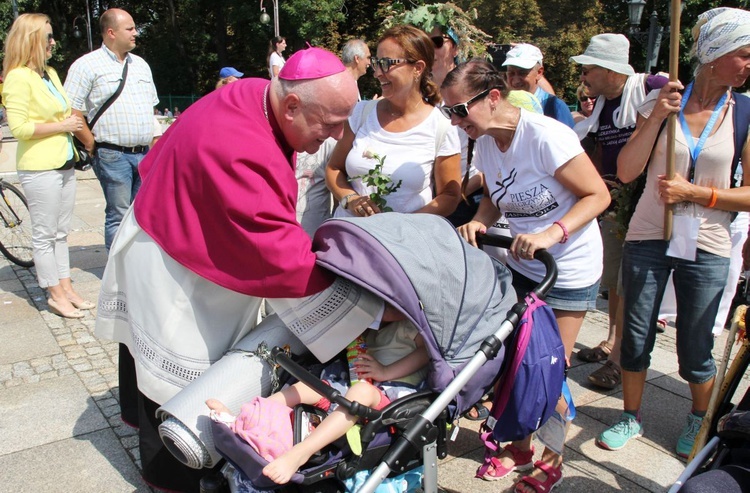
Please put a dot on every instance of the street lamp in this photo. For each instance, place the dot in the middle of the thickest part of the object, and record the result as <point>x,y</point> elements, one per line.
<point>77,31</point>
<point>265,18</point>
<point>651,38</point>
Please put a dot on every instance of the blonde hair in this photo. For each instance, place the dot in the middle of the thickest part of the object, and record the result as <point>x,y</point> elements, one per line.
<point>26,43</point>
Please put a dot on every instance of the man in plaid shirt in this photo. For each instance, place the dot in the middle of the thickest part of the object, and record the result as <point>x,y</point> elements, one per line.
<point>122,135</point>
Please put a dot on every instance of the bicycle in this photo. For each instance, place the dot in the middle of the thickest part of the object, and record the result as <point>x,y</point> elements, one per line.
<point>15,226</point>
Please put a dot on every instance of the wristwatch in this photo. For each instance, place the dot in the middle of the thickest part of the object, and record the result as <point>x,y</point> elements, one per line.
<point>344,202</point>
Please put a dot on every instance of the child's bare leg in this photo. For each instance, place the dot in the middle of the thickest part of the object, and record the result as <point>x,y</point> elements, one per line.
<point>334,426</point>
<point>299,393</point>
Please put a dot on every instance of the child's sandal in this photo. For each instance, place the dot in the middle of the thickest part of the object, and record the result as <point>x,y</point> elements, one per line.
<point>522,461</point>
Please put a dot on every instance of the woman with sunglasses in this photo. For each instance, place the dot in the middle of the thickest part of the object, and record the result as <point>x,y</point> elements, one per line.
<point>39,116</point>
<point>586,102</point>
<point>537,174</point>
<point>420,149</point>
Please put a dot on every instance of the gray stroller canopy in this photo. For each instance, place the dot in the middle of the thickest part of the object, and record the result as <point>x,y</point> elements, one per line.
<point>455,294</point>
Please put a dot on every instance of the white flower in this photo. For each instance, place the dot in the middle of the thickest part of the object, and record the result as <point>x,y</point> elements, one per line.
<point>369,154</point>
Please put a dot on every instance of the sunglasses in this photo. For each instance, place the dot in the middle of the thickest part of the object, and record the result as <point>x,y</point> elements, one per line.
<point>50,37</point>
<point>585,99</point>
<point>461,110</point>
<point>385,64</point>
<point>439,41</point>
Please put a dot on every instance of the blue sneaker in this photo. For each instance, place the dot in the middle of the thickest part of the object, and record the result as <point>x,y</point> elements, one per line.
<point>616,436</point>
<point>687,437</point>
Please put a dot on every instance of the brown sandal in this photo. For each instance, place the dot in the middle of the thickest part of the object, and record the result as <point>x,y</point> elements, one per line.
<point>595,354</point>
<point>607,377</point>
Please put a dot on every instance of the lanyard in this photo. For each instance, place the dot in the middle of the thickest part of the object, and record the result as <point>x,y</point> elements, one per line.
<point>695,149</point>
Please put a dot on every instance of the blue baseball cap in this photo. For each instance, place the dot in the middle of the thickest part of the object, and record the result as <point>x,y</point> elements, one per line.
<point>229,72</point>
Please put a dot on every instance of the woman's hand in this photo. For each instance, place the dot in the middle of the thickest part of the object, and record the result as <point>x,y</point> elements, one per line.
<point>362,206</point>
<point>73,123</point>
<point>668,101</point>
<point>368,367</point>
<point>675,190</point>
<point>524,245</point>
<point>469,231</point>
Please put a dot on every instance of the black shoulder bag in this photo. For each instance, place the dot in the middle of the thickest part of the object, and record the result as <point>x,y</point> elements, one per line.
<point>84,158</point>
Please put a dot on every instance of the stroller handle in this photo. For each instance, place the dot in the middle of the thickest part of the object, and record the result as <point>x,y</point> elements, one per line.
<point>542,255</point>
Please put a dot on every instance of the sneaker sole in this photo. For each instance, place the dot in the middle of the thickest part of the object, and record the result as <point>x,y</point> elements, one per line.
<point>607,447</point>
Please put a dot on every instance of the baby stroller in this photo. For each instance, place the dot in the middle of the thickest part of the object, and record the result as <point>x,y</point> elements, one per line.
<point>726,429</point>
<point>462,302</point>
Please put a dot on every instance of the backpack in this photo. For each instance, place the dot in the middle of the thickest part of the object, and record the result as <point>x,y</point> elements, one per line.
<point>531,379</point>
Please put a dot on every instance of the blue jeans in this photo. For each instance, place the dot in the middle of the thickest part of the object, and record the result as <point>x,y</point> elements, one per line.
<point>698,287</point>
<point>118,175</point>
<point>563,299</point>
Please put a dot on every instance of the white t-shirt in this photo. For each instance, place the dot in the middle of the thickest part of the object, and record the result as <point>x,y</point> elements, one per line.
<point>275,60</point>
<point>522,185</point>
<point>409,157</point>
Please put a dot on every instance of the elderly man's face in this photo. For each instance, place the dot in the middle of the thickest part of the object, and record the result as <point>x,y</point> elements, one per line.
<point>363,63</point>
<point>521,79</point>
<point>312,122</point>
<point>596,80</point>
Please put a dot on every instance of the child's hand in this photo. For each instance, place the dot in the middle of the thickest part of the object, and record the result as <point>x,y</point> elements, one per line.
<point>368,367</point>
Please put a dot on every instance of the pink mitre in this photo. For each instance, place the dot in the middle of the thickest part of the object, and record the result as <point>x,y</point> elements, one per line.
<point>311,63</point>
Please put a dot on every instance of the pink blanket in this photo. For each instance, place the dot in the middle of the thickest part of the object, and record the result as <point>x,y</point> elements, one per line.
<point>266,426</point>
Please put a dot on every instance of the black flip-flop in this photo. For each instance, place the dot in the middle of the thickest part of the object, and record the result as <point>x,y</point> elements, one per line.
<point>482,412</point>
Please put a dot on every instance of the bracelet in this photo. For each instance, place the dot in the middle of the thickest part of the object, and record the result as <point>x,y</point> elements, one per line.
<point>712,200</point>
<point>564,230</point>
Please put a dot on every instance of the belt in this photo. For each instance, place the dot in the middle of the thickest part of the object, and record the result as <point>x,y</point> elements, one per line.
<point>126,150</point>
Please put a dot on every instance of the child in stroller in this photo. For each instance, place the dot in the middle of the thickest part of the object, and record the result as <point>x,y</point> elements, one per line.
<point>395,362</point>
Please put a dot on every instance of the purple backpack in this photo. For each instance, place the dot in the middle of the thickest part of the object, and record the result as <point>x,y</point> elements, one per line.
<point>531,379</point>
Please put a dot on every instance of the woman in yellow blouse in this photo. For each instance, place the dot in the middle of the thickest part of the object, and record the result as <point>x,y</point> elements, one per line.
<point>39,117</point>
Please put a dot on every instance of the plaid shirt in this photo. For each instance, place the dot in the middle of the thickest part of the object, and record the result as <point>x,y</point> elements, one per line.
<point>94,77</point>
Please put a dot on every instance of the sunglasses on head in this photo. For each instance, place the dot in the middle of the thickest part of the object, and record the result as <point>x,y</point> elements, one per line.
<point>439,41</point>
<point>461,110</point>
<point>385,64</point>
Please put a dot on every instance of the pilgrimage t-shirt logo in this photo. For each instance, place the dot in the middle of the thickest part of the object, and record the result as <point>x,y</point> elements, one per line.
<point>534,201</point>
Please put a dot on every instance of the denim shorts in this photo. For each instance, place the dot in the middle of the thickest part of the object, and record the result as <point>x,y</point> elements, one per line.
<point>564,299</point>
<point>698,287</point>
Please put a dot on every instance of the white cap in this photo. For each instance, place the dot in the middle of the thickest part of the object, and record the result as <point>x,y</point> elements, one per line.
<point>523,55</point>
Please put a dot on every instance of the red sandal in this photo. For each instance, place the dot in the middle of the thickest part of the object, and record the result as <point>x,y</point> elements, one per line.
<point>554,477</point>
<point>494,470</point>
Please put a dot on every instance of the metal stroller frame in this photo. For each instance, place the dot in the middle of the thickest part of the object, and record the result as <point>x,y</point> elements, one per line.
<point>426,432</point>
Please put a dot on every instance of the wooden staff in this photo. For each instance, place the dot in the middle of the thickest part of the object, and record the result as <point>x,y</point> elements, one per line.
<point>720,389</point>
<point>674,54</point>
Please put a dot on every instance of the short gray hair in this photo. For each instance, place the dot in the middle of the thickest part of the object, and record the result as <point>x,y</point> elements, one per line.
<point>352,48</point>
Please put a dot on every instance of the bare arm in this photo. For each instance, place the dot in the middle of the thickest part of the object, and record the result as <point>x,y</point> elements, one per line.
<point>487,215</point>
<point>84,134</point>
<point>728,199</point>
<point>368,367</point>
<point>635,154</point>
<point>447,186</point>
<point>336,178</point>
<point>580,177</point>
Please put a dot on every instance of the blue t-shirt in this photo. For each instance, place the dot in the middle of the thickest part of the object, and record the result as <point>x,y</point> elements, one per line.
<point>554,107</point>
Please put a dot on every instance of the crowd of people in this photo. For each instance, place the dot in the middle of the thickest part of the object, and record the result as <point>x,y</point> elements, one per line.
<point>482,145</point>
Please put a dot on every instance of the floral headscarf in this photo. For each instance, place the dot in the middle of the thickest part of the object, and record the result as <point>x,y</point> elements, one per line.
<point>720,31</point>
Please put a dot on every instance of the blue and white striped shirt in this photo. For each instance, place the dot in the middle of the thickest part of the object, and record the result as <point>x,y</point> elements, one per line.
<point>94,77</point>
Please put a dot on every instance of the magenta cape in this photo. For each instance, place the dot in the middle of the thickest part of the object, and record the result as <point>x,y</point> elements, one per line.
<point>219,196</point>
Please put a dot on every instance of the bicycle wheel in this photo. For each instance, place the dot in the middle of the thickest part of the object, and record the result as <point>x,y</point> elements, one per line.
<point>15,226</point>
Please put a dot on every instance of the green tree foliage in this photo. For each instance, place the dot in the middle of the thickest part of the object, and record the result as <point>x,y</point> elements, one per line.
<point>186,42</point>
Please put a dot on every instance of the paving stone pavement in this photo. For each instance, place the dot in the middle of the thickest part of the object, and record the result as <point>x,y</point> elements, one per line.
<point>60,428</point>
